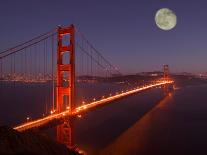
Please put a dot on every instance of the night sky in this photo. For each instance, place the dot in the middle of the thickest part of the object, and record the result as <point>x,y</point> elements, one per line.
<point>123,30</point>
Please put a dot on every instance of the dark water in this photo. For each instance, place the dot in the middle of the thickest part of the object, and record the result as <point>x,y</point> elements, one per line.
<point>148,124</point>
<point>97,129</point>
<point>19,101</point>
<point>143,124</point>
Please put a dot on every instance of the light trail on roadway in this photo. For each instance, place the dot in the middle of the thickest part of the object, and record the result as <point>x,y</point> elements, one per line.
<point>42,121</point>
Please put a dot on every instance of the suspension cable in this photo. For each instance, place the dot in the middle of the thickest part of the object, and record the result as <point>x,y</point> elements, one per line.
<point>83,37</point>
<point>83,50</point>
<point>35,38</point>
<point>26,46</point>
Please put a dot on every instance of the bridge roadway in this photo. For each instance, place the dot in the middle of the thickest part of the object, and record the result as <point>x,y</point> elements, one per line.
<point>47,119</point>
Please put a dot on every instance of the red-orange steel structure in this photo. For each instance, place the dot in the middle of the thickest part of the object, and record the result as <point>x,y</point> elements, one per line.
<point>166,78</point>
<point>166,72</point>
<point>65,89</point>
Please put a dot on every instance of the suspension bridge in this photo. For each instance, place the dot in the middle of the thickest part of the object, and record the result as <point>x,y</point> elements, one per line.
<point>62,62</point>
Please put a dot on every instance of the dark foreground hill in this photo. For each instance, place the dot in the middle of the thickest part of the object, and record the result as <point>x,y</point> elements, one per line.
<point>29,143</point>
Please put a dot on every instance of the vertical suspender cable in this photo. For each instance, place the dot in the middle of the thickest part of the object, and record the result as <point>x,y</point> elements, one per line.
<point>53,84</point>
<point>35,62</point>
<point>21,68</point>
<point>82,59</point>
<point>87,62</point>
<point>39,55</point>
<point>46,70</point>
<point>30,64</point>
<point>25,63</point>
<point>81,71</point>
<point>44,59</point>
<point>91,63</point>
<point>11,73</point>
<point>14,70</point>
<point>98,65</point>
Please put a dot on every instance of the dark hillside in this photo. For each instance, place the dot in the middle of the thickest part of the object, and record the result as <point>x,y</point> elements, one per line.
<point>29,143</point>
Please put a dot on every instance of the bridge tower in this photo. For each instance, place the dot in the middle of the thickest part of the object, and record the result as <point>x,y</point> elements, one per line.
<point>166,72</point>
<point>65,88</point>
<point>166,78</point>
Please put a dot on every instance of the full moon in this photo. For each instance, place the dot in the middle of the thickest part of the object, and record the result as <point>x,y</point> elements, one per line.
<point>165,19</point>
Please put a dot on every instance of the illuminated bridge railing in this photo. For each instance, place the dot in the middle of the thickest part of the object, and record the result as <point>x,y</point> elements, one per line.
<point>43,121</point>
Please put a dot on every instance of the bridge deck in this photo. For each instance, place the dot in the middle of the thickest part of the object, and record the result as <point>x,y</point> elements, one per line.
<point>42,121</point>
